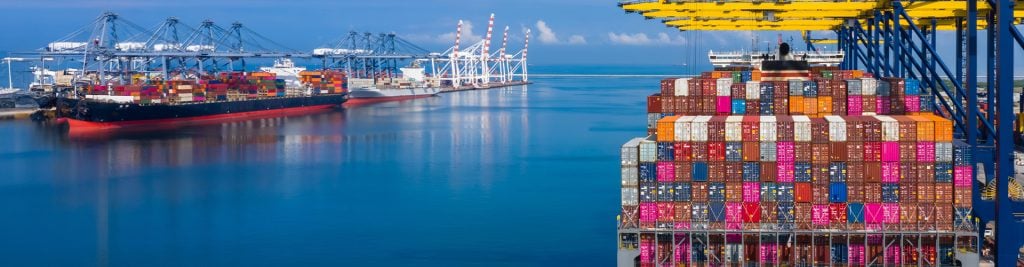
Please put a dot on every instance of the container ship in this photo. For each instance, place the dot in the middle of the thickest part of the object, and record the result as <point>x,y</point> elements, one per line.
<point>793,164</point>
<point>146,103</point>
<point>411,84</point>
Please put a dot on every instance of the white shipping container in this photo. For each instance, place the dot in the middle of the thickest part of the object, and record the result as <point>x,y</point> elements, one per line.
<point>724,86</point>
<point>870,114</point>
<point>753,90</point>
<point>630,176</point>
<point>699,129</point>
<point>734,129</point>
<point>836,128</point>
<point>944,152</point>
<point>682,87</point>
<point>630,196</point>
<point>869,86</point>
<point>631,152</point>
<point>801,128</point>
<point>652,120</point>
<point>769,129</point>
<point>184,87</point>
<point>682,128</point>
<point>649,150</point>
<point>890,128</point>
<point>769,151</point>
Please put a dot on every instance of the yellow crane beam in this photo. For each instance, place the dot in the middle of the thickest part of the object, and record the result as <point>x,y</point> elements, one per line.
<point>744,14</point>
<point>769,27</point>
<point>799,22</point>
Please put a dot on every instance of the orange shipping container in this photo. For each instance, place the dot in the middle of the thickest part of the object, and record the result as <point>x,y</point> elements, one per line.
<point>666,129</point>
<point>925,129</point>
<point>796,109</point>
<point>943,129</point>
<point>810,105</point>
<point>824,105</point>
<point>944,193</point>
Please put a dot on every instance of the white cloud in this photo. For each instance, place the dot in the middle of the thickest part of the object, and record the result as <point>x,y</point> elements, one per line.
<point>644,39</point>
<point>546,35</point>
<point>577,39</point>
<point>468,37</point>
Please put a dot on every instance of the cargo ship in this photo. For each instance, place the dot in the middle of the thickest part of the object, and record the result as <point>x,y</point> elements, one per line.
<point>146,103</point>
<point>413,83</point>
<point>795,164</point>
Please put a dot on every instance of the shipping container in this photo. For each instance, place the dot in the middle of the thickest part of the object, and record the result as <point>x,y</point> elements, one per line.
<point>630,152</point>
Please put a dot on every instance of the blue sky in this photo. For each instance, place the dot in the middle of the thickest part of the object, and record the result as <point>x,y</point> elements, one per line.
<point>564,31</point>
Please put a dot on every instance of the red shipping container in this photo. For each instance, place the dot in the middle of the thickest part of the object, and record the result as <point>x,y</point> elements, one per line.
<point>753,107</point>
<point>820,193</point>
<point>700,151</point>
<point>926,173</point>
<point>819,130</point>
<point>716,151</point>
<point>781,105</point>
<point>854,129</point>
<point>683,106</point>
<point>803,192</point>
<point>943,193</point>
<point>716,171</point>
<point>668,86</point>
<point>926,192</point>
<point>769,172</point>
<point>872,151</point>
<point>908,151</point>
<point>752,212</point>
<point>784,128</point>
<point>751,192</point>
<point>819,173</point>
<point>738,91</point>
<point>769,212</point>
<point>668,104</point>
<point>666,211</point>
<point>838,213</point>
<point>963,198</point>
<point>751,128</point>
<point>803,214</point>
<point>802,151</point>
<point>709,104</point>
<point>682,151</point>
<point>908,193</point>
<point>684,172</point>
<point>908,217</point>
<point>716,129</point>
<point>872,127</point>
<point>734,172</point>
<point>855,172</point>
<point>698,105</point>
<point>855,192</point>
<point>700,191</point>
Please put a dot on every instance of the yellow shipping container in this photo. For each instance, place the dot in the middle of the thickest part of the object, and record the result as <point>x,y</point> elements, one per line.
<point>796,109</point>
<point>925,128</point>
<point>667,128</point>
<point>825,105</point>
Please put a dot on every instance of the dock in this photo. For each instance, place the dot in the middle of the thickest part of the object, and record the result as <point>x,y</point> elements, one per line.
<point>17,113</point>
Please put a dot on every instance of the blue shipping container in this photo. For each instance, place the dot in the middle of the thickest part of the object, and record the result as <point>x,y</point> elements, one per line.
<point>810,89</point>
<point>855,213</point>
<point>962,154</point>
<point>699,172</point>
<point>717,212</point>
<point>665,150</point>
<point>648,172</point>
<point>665,192</point>
<point>739,106</point>
<point>943,172</point>
<point>682,192</point>
<point>890,193</point>
<point>785,192</point>
<point>883,88</point>
<point>648,192</point>
<point>837,171</point>
<point>802,172</point>
<point>733,151</point>
<point>786,214</point>
<point>766,105</point>
<point>837,193</point>
<point>716,192</point>
<point>751,172</point>
<point>913,87</point>
<point>769,192</point>
<point>767,89</point>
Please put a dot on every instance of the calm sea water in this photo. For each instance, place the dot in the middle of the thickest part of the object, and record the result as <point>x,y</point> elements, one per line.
<point>522,176</point>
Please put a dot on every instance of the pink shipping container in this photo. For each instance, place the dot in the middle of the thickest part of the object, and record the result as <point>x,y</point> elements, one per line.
<point>873,213</point>
<point>819,214</point>
<point>734,212</point>
<point>926,152</point>
<point>724,105</point>
<point>786,172</point>
<point>784,151</point>
<point>855,105</point>
<point>751,192</point>
<point>769,253</point>
<point>682,253</point>
<point>891,151</point>
<point>962,176</point>
<point>890,172</point>
<point>856,255</point>
<point>913,103</point>
<point>666,171</point>
<point>683,225</point>
<point>646,251</point>
<point>648,212</point>
<point>890,213</point>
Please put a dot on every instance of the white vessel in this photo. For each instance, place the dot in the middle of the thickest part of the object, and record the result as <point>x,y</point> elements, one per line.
<point>754,58</point>
<point>412,84</point>
<point>286,70</point>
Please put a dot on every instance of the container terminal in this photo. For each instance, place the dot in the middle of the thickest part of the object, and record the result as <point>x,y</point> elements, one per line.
<point>114,74</point>
<point>876,152</point>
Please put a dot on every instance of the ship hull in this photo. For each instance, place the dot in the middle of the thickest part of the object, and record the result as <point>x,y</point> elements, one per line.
<point>373,95</point>
<point>85,115</point>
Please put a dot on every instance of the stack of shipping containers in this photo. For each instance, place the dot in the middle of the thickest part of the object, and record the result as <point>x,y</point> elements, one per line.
<point>835,167</point>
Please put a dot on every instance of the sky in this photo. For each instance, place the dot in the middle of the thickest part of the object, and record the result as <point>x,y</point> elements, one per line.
<point>564,31</point>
